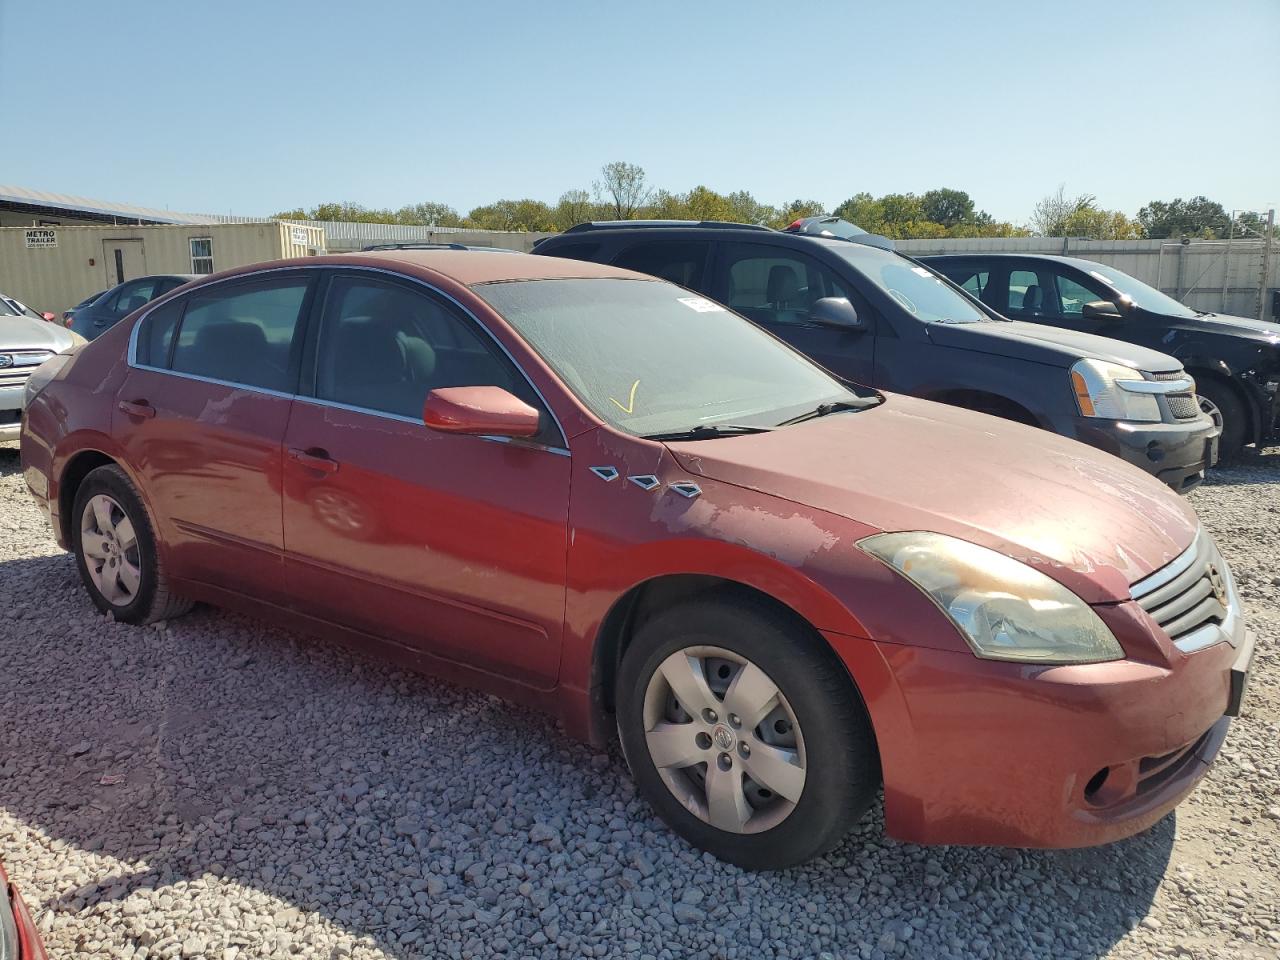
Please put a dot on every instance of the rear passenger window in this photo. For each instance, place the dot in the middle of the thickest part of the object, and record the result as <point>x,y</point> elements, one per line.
<point>383,347</point>
<point>681,263</point>
<point>576,251</point>
<point>156,335</point>
<point>241,332</point>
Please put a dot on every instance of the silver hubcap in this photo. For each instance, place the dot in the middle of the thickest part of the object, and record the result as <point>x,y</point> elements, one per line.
<point>724,739</point>
<point>110,549</point>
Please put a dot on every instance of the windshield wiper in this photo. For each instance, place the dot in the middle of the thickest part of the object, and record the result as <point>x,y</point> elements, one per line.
<point>708,431</point>
<point>825,409</point>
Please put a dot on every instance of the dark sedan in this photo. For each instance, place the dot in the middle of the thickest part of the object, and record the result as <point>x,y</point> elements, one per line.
<point>1235,360</point>
<point>93,319</point>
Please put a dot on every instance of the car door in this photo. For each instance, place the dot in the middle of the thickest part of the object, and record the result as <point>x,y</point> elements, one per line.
<point>201,416</point>
<point>450,544</point>
<point>776,286</point>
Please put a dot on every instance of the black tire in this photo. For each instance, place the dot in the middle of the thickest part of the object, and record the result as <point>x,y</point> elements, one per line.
<point>154,599</point>
<point>1235,423</point>
<point>842,771</point>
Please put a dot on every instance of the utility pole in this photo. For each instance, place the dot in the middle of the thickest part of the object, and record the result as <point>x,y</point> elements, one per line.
<point>1267,240</point>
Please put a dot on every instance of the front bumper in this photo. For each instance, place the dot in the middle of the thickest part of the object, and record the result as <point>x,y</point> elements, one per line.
<point>985,752</point>
<point>1176,453</point>
<point>10,411</point>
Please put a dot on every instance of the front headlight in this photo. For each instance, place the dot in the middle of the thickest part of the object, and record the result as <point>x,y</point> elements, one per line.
<point>1102,390</point>
<point>42,376</point>
<point>1004,608</point>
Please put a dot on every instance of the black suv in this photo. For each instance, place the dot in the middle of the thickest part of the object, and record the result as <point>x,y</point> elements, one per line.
<point>871,315</point>
<point>1235,361</point>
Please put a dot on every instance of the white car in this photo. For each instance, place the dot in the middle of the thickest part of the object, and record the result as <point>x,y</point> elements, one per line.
<point>25,343</point>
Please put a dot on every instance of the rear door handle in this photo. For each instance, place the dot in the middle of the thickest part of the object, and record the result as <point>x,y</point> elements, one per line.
<point>314,459</point>
<point>138,408</point>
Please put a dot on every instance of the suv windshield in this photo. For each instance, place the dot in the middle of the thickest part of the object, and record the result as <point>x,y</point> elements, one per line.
<point>1148,298</point>
<point>922,294</point>
<point>651,358</point>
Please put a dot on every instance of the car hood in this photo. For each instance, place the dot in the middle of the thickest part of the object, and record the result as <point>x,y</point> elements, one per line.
<point>25,333</point>
<point>1044,344</point>
<point>1222,323</point>
<point>1090,520</point>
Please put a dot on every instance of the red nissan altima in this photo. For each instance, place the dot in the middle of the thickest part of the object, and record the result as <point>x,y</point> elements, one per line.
<point>599,494</point>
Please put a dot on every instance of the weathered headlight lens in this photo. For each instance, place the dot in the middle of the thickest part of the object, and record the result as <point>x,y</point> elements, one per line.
<point>1005,609</point>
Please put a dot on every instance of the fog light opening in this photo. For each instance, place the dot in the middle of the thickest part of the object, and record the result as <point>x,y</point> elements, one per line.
<point>1155,453</point>
<point>1095,784</point>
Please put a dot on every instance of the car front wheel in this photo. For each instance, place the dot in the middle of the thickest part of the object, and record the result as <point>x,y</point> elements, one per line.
<point>745,733</point>
<point>115,549</point>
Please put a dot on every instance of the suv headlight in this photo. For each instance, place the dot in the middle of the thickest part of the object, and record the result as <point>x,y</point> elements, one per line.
<point>1002,607</point>
<point>1101,391</point>
<point>42,376</point>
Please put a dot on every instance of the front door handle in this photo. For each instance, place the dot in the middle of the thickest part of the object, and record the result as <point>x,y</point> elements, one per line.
<point>314,458</point>
<point>138,408</point>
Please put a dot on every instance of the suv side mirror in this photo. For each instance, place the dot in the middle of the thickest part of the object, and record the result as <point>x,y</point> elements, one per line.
<point>1102,310</point>
<point>485,411</point>
<point>836,312</point>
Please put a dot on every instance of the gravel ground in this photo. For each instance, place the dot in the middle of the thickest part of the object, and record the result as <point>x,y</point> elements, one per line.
<point>223,789</point>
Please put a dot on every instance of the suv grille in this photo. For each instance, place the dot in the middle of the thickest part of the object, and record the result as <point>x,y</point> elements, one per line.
<point>1192,592</point>
<point>1183,406</point>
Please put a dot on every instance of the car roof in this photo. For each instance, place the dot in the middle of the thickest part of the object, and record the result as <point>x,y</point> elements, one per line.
<point>473,266</point>
<point>1010,255</point>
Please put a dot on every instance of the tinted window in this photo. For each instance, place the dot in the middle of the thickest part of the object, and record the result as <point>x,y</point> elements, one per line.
<point>1073,296</point>
<point>575,251</point>
<point>650,357</point>
<point>772,285</point>
<point>156,335</point>
<point>132,296</point>
<point>1029,293</point>
<point>680,263</point>
<point>384,346</point>
<point>241,332</point>
<point>916,289</point>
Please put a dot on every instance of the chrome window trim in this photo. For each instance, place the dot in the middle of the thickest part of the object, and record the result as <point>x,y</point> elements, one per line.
<point>132,353</point>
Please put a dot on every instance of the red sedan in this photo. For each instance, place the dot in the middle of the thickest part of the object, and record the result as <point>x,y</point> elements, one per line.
<point>19,939</point>
<point>603,496</point>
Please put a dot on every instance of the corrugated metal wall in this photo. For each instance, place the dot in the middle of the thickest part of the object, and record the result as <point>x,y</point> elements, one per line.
<point>60,276</point>
<point>343,236</point>
<point>1214,275</point>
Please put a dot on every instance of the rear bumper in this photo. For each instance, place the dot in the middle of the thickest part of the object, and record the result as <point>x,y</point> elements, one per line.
<point>1175,453</point>
<point>982,752</point>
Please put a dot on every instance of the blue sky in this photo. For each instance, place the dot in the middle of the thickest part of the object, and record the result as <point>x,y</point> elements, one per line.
<point>255,107</point>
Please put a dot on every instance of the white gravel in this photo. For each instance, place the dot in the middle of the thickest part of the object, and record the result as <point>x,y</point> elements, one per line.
<point>278,797</point>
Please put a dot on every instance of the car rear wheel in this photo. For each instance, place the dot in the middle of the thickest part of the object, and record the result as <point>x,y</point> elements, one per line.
<point>115,549</point>
<point>1226,410</point>
<point>744,733</point>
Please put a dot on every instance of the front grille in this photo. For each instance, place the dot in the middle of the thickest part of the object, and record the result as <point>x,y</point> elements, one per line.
<point>1169,375</point>
<point>1188,594</point>
<point>20,364</point>
<point>1184,406</point>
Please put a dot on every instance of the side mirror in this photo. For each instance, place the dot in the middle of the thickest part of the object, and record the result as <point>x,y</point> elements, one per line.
<point>1102,310</point>
<point>486,411</point>
<point>836,312</point>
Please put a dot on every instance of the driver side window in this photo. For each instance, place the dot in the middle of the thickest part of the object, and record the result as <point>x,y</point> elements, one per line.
<point>1073,296</point>
<point>776,286</point>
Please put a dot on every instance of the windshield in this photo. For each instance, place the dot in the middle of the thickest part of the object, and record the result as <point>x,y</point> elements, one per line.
<point>1148,298</point>
<point>921,293</point>
<point>651,358</point>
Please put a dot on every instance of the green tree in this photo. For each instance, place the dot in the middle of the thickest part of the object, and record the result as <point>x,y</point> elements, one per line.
<point>1197,217</point>
<point>1058,215</point>
<point>795,209</point>
<point>429,214</point>
<point>526,214</point>
<point>947,207</point>
<point>574,206</point>
<point>744,208</point>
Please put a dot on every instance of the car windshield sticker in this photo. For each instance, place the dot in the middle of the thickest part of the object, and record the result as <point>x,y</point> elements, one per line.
<point>701,304</point>
<point>631,400</point>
